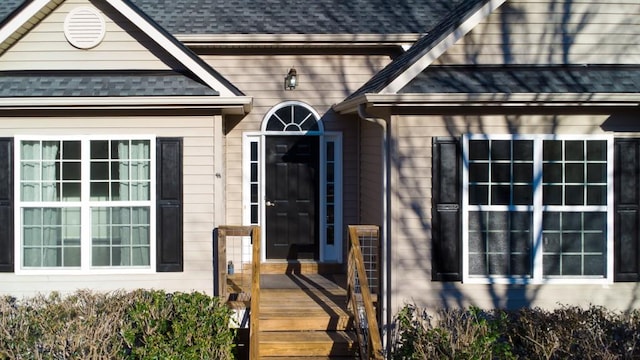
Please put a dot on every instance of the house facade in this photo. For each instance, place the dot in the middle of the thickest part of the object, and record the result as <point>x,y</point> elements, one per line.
<point>494,143</point>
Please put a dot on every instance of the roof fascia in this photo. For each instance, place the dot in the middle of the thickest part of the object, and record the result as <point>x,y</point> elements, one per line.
<point>495,100</point>
<point>176,50</point>
<point>237,105</point>
<point>251,40</point>
<point>441,47</point>
<point>23,20</point>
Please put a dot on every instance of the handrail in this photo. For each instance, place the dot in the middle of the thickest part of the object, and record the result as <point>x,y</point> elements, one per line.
<point>254,232</point>
<point>357,282</point>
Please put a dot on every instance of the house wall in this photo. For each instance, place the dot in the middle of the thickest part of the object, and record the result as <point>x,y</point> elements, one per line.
<point>553,32</point>
<point>324,79</point>
<point>411,206</point>
<point>124,46</point>
<point>198,168</point>
<point>371,173</point>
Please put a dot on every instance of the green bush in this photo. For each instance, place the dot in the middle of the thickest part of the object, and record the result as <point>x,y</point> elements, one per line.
<point>564,333</point>
<point>137,325</point>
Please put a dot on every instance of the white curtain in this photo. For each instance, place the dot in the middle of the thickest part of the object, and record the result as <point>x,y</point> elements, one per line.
<point>134,176</point>
<point>40,182</point>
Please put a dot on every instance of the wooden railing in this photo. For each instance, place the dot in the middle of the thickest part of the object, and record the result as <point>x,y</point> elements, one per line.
<point>254,233</point>
<point>359,292</point>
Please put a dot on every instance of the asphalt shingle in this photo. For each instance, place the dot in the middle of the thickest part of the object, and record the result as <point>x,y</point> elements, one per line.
<point>100,83</point>
<point>7,7</point>
<point>526,79</point>
<point>297,16</point>
<point>447,24</point>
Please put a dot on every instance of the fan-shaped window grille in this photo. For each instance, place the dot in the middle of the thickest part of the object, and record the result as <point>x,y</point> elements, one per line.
<point>293,117</point>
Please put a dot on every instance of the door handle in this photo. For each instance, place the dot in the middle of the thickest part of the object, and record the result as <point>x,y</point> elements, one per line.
<point>269,203</point>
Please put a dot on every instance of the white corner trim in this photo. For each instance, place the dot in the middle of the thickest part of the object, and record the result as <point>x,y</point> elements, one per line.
<point>401,81</point>
<point>171,47</point>
<point>22,18</point>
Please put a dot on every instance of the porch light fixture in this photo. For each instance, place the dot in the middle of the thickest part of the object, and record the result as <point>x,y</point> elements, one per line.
<point>291,80</point>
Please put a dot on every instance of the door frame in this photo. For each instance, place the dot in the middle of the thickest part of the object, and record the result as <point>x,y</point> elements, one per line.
<point>253,205</point>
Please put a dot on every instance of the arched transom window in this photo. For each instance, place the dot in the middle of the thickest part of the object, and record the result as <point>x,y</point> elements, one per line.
<point>292,116</point>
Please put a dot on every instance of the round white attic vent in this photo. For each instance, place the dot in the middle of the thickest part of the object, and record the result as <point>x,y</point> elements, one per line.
<point>84,27</point>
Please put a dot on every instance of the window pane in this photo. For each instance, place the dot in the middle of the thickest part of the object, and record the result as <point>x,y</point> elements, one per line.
<point>501,150</point>
<point>552,195</point>
<point>594,265</point>
<point>597,195</point>
<point>574,150</point>
<point>574,195</point>
<point>596,150</point>
<point>478,195</point>
<point>552,150</point>
<point>501,172</point>
<point>552,173</point>
<point>30,150</point>
<point>523,172</point>
<point>571,265</point>
<point>574,173</point>
<point>478,150</point>
<point>597,173</point>
<point>500,195</point>
<point>523,150</point>
<point>71,171</point>
<point>71,150</point>
<point>99,171</point>
<point>99,149</point>
<point>522,194</point>
<point>478,172</point>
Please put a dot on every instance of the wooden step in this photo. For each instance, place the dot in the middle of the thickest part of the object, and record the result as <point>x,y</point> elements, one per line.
<point>302,267</point>
<point>307,343</point>
<point>304,309</point>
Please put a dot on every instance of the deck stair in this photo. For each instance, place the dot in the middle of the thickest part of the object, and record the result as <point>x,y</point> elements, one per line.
<point>303,313</point>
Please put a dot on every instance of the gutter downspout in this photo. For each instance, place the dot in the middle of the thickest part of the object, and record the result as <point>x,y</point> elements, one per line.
<point>385,245</point>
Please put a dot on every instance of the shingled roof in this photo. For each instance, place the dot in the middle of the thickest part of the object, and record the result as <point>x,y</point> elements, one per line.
<point>100,83</point>
<point>526,79</point>
<point>7,7</point>
<point>298,16</point>
<point>447,25</point>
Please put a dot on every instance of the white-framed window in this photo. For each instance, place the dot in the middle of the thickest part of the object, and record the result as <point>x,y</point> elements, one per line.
<point>537,208</point>
<point>85,204</point>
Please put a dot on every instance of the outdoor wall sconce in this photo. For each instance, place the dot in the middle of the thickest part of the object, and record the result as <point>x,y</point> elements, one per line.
<point>291,80</point>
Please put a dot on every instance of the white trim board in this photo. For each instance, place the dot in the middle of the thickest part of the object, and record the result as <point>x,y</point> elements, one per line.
<point>440,48</point>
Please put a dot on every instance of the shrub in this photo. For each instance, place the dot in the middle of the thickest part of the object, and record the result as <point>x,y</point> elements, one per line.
<point>136,325</point>
<point>565,333</point>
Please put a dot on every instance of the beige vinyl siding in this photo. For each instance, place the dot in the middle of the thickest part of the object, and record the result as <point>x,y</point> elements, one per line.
<point>371,173</point>
<point>324,80</point>
<point>199,199</point>
<point>411,224</point>
<point>554,32</point>
<point>45,47</point>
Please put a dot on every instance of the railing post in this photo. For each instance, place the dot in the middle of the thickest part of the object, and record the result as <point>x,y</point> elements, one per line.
<point>254,325</point>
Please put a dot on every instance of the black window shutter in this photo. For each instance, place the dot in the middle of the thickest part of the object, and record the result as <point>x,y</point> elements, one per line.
<point>446,210</point>
<point>627,206</point>
<point>169,257</point>
<point>6,205</point>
